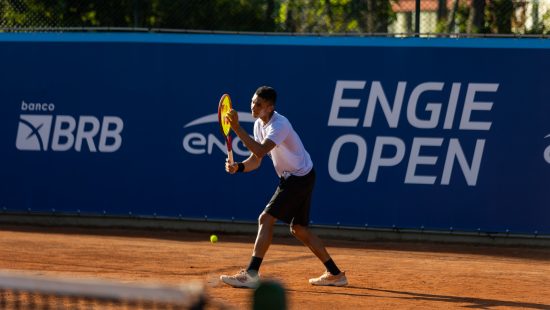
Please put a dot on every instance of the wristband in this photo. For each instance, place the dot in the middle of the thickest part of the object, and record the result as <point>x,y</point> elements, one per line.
<point>241,167</point>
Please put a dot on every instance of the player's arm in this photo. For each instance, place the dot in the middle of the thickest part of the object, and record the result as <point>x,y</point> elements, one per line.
<point>255,147</point>
<point>251,163</point>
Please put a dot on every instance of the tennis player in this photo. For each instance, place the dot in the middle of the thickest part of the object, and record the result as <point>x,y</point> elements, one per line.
<point>275,137</point>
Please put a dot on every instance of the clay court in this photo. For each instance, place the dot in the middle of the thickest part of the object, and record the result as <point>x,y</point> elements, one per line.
<point>382,275</point>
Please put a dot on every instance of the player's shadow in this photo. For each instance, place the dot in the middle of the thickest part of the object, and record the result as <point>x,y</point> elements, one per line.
<point>471,302</point>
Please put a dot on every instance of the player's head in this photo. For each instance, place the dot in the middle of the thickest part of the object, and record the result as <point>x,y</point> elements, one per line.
<point>263,102</point>
<point>267,93</point>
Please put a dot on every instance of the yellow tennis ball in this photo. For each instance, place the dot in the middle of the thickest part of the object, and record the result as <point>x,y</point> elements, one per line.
<point>213,238</point>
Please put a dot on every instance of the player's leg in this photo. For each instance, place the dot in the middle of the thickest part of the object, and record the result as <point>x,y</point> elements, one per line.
<point>310,240</point>
<point>301,190</point>
<point>249,277</point>
<point>333,276</point>
<point>265,234</point>
<point>278,208</point>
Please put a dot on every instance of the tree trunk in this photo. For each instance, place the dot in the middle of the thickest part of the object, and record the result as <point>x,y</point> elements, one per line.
<point>328,9</point>
<point>372,15</point>
<point>269,16</point>
<point>441,10</point>
<point>290,24</point>
<point>452,16</point>
<point>361,13</point>
<point>377,12</point>
<point>476,21</point>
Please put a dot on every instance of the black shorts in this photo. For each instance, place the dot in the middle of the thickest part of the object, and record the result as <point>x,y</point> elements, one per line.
<point>292,199</point>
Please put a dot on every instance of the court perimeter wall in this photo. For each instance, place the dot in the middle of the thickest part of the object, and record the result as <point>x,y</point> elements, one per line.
<point>422,134</point>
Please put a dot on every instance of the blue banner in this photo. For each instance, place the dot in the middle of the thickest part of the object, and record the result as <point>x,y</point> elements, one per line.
<point>408,133</point>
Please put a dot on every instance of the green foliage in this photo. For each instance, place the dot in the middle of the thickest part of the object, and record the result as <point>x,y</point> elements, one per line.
<point>499,16</point>
<point>309,16</point>
<point>65,13</point>
<point>228,15</point>
<point>462,16</point>
<point>542,26</point>
<point>314,16</point>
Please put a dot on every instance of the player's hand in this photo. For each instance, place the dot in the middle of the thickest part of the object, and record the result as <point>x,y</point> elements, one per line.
<point>231,168</point>
<point>233,118</point>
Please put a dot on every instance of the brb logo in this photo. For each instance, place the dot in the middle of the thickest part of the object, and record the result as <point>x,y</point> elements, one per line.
<point>39,132</point>
<point>198,143</point>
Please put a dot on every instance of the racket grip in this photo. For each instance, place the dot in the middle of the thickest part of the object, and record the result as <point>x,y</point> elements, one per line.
<point>230,157</point>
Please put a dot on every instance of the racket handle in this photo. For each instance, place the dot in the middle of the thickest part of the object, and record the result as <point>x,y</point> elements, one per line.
<point>230,156</point>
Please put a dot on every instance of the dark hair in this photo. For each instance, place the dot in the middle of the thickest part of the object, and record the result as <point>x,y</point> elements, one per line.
<point>267,93</point>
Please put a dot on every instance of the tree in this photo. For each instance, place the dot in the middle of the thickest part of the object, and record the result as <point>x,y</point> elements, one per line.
<point>500,14</point>
<point>476,21</point>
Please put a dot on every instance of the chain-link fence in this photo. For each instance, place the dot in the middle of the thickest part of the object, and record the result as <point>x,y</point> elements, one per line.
<point>387,17</point>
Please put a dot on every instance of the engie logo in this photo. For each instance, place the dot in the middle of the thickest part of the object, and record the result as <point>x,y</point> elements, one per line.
<point>64,132</point>
<point>198,143</point>
<point>461,111</point>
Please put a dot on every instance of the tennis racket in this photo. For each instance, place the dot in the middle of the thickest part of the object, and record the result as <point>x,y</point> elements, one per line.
<point>223,108</point>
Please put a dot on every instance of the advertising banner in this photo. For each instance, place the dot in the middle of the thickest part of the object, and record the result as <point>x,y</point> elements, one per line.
<point>407,133</point>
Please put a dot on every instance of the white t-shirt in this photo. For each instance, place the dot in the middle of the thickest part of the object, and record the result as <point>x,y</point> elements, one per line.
<point>289,155</point>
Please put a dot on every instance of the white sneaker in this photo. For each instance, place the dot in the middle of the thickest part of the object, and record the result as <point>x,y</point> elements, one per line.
<point>328,279</point>
<point>242,279</point>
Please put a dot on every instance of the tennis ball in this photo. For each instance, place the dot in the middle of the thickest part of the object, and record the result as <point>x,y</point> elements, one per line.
<point>213,238</point>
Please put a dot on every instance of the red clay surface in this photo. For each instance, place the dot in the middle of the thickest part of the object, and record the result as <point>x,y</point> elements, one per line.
<point>381,275</point>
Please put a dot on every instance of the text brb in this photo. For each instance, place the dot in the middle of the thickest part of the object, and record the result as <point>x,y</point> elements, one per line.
<point>43,132</point>
<point>69,133</point>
